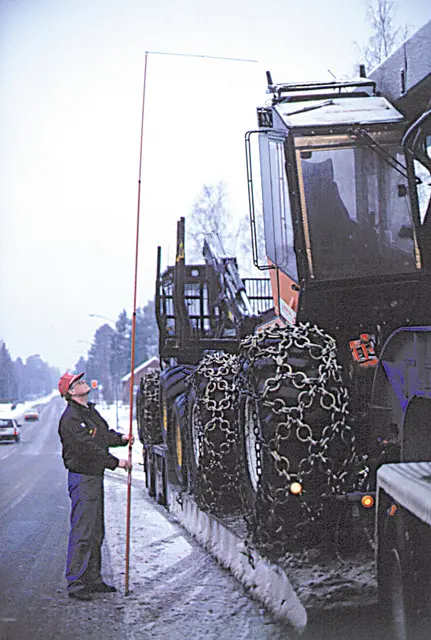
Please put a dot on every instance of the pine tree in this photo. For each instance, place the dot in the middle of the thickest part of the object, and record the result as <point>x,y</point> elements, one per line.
<point>99,361</point>
<point>8,381</point>
<point>147,333</point>
<point>121,346</point>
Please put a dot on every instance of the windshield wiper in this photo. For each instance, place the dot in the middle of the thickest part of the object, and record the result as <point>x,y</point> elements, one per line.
<point>311,108</point>
<point>381,151</point>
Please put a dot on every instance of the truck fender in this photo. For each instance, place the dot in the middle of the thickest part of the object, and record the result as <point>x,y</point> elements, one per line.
<point>416,430</point>
<point>403,372</point>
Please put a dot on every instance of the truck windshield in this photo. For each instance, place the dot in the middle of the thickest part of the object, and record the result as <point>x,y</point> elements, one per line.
<point>356,209</point>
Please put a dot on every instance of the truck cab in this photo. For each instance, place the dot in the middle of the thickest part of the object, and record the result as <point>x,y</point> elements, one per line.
<point>340,208</point>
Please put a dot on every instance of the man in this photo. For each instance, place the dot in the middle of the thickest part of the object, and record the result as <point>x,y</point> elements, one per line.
<point>86,439</point>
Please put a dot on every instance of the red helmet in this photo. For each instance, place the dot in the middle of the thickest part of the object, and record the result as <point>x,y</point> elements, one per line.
<point>66,380</point>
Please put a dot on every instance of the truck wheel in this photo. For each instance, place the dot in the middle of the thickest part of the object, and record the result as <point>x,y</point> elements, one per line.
<point>213,437</point>
<point>150,476</point>
<point>173,381</point>
<point>398,620</point>
<point>138,401</point>
<point>148,409</point>
<point>178,425</point>
<point>194,425</point>
<point>250,445</point>
<point>292,414</point>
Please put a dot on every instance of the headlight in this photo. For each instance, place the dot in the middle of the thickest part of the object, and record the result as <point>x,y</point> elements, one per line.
<point>295,488</point>
<point>367,501</point>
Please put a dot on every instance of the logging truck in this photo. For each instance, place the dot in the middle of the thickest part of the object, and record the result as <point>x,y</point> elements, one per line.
<point>281,399</point>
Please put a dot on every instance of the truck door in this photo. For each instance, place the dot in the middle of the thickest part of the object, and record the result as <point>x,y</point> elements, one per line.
<point>278,228</point>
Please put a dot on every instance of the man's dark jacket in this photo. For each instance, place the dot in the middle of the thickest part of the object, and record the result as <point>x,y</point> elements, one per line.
<point>86,437</point>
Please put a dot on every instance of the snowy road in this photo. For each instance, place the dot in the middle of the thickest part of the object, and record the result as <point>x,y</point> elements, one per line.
<point>177,591</point>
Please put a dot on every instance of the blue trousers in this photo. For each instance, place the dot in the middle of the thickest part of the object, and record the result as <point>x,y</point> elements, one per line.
<point>87,530</point>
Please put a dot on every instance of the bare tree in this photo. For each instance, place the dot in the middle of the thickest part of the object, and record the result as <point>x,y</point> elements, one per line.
<point>245,251</point>
<point>385,37</point>
<point>210,215</point>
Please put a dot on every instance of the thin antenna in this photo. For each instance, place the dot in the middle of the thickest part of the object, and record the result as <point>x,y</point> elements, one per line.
<point>198,55</point>
<point>132,364</point>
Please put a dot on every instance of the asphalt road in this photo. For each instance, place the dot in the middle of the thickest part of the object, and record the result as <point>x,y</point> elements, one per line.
<point>34,512</point>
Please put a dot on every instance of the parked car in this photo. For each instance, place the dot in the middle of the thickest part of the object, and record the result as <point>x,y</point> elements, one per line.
<point>9,429</point>
<point>31,415</point>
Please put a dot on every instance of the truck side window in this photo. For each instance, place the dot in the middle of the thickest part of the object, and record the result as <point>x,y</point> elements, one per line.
<point>276,206</point>
<point>424,197</point>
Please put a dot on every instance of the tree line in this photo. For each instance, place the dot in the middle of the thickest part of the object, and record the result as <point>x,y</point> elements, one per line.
<point>109,357</point>
<point>20,381</point>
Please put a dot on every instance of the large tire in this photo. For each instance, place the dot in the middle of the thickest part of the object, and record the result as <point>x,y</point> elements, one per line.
<point>389,571</point>
<point>179,440</point>
<point>150,478</point>
<point>213,434</point>
<point>138,401</point>
<point>173,382</point>
<point>398,613</point>
<point>293,428</point>
<point>250,437</point>
<point>148,410</point>
<point>194,430</point>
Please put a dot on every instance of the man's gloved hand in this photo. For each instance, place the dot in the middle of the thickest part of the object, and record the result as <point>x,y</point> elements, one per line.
<point>125,464</point>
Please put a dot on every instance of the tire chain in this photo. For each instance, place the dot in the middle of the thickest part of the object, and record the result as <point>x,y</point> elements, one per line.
<point>328,464</point>
<point>216,481</point>
<point>148,409</point>
<point>218,382</point>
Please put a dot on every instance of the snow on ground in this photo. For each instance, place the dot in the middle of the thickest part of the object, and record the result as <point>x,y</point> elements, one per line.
<point>176,590</point>
<point>18,411</point>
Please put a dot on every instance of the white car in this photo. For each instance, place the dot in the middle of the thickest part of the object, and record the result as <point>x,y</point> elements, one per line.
<point>9,428</point>
<point>31,415</point>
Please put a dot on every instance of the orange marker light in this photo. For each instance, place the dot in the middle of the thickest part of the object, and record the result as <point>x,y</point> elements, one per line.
<point>295,488</point>
<point>392,510</point>
<point>367,501</point>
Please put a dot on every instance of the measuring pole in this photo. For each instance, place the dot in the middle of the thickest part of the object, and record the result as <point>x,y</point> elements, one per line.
<point>129,477</point>
<point>132,365</point>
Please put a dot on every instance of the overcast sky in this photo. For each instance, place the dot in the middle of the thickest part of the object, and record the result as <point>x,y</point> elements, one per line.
<point>71,75</point>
